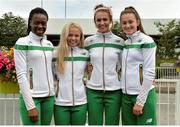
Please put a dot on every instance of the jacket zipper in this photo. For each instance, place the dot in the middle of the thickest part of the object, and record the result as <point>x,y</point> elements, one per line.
<point>46,67</point>
<point>126,66</point>
<point>72,76</point>
<point>103,64</point>
<point>126,69</point>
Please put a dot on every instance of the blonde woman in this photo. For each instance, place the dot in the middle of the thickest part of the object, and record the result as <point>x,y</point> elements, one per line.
<point>70,101</point>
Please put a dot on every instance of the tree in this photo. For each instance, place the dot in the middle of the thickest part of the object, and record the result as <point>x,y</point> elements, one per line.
<point>168,41</point>
<point>116,29</point>
<point>11,28</point>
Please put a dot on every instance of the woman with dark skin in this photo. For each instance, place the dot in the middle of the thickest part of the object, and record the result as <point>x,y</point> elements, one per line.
<point>33,61</point>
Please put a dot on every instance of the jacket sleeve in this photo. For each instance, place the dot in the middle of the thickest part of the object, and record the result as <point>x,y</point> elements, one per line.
<point>149,56</point>
<point>20,59</point>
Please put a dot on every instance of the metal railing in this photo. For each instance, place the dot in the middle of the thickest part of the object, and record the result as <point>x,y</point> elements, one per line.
<point>167,73</point>
<point>9,113</point>
<point>168,110</point>
<point>168,105</point>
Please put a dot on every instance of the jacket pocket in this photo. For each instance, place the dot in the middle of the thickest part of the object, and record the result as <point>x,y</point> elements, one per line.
<point>31,78</point>
<point>141,73</point>
<point>57,90</point>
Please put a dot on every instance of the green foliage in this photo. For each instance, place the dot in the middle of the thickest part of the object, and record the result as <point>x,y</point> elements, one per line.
<point>168,41</point>
<point>116,29</point>
<point>11,28</point>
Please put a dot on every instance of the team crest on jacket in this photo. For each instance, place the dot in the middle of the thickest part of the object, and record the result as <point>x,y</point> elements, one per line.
<point>91,40</point>
<point>49,44</point>
<point>139,40</point>
<point>117,40</point>
<point>83,53</point>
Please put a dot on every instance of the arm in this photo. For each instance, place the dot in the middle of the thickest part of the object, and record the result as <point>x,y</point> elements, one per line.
<point>148,77</point>
<point>21,71</point>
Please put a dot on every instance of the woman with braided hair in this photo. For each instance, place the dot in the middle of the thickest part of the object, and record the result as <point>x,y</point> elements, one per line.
<point>33,62</point>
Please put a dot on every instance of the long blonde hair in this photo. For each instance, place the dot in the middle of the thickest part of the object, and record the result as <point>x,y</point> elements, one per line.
<point>63,48</point>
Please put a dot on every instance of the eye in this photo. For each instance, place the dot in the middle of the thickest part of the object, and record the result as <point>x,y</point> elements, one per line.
<point>130,22</point>
<point>105,19</point>
<point>77,35</point>
<point>124,23</point>
<point>98,20</point>
<point>70,35</point>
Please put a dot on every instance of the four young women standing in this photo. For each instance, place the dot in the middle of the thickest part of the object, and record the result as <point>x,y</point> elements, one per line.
<point>104,93</point>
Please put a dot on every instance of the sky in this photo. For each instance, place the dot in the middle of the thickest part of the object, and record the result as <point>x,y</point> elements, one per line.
<point>148,9</point>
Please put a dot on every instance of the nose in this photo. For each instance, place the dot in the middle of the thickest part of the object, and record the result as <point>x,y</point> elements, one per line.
<point>127,25</point>
<point>73,37</point>
<point>40,25</point>
<point>101,22</point>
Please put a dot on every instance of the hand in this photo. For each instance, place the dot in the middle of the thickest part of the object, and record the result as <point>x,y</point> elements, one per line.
<point>137,110</point>
<point>33,115</point>
<point>89,69</point>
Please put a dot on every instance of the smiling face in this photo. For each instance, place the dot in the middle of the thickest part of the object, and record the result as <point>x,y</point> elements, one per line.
<point>74,37</point>
<point>102,21</point>
<point>38,24</point>
<point>129,23</point>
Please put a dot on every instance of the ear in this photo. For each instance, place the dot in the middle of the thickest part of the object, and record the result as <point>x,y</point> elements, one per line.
<point>138,22</point>
<point>30,23</point>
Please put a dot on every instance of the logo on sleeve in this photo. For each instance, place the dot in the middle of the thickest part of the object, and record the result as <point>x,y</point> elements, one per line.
<point>83,53</point>
<point>49,44</point>
<point>139,40</point>
<point>117,40</point>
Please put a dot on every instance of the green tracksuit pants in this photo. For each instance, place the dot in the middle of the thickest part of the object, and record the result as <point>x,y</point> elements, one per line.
<point>70,115</point>
<point>102,104</point>
<point>45,107</point>
<point>149,110</point>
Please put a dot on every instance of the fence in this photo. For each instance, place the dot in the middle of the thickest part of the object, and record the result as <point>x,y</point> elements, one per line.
<point>167,73</point>
<point>168,91</point>
<point>9,113</point>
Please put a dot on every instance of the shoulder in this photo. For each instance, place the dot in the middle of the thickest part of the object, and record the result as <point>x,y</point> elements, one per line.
<point>49,43</point>
<point>89,40</point>
<point>118,39</point>
<point>146,38</point>
<point>22,41</point>
<point>84,52</point>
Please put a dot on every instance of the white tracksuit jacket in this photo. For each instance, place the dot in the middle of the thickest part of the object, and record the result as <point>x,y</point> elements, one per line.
<point>105,56</point>
<point>138,66</point>
<point>33,62</point>
<point>70,87</point>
